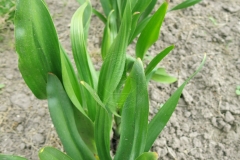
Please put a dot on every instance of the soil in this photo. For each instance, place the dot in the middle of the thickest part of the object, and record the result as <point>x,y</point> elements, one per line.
<point>206,123</point>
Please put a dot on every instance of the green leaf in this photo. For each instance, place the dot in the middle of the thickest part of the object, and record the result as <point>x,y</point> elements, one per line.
<point>185,4</point>
<point>161,76</point>
<point>107,38</point>
<point>107,6</point>
<point>139,29</point>
<point>11,157</point>
<point>48,153</point>
<point>84,124</point>
<point>1,86</point>
<point>114,63</point>
<point>63,117</point>
<point>99,15</point>
<point>238,90</point>
<point>36,44</point>
<point>150,33</point>
<point>103,127</point>
<point>82,59</point>
<point>148,156</point>
<point>160,120</point>
<point>134,120</point>
<point>148,10</point>
<point>157,59</point>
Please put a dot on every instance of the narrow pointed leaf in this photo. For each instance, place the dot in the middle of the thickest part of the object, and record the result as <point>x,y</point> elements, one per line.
<point>185,4</point>
<point>11,157</point>
<point>134,120</point>
<point>48,153</point>
<point>148,156</point>
<point>114,63</point>
<point>82,59</point>
<point>36,44</point>
<point>154,62</point>
<point>151,32</point>
<point>63,117</point>
<point>107,37</point>
<point>103,126</point>
<point>160,120</point>
<point>161,76</point>
<point>107,6</point>
<point>148,9</point>
<point>99,15</point>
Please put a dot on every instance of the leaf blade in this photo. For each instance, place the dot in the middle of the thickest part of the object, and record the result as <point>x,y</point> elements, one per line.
<point>134,116</point>
<point>47,153</point>
<point>185,4</point>
<point>151,31</point>
<point>160,120</point>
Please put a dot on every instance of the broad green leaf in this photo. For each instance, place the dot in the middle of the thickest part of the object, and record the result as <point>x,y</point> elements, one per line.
<point>99,15</point>
<point>48,153</point>
<point>63,114</point>
<point>11,157</point>
<point>84,123</point>
<point>134,120</point>
<point>148,156</point>
<point>36,44</point>
<point>107,38</point>
<point>114,63</point>
<point>185,4</point>
<point>151,32</point>
<point>82,59</point>
<point>160,120</point>
<point>161,76</point>
<point>157,59</point>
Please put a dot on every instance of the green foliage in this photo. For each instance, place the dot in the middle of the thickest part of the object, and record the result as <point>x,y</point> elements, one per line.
<point>238,90</point>
<point>86,107</point>
<point>7,10</point>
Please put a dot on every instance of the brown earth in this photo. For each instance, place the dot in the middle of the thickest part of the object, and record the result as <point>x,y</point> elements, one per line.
<point>206,123</point>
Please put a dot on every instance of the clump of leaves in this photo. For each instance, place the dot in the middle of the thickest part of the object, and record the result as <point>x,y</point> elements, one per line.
<point>86,107</point>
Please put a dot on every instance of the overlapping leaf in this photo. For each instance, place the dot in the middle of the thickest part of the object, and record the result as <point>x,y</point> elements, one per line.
<point>150,33</point>
<point>63,117</point>
<point>185,4</point>
<point>160,120</point>
<point>11,157</point>
<point>134,116</point>
<point>84,65</point>
<point>48,153</point>
<point>38,55</point>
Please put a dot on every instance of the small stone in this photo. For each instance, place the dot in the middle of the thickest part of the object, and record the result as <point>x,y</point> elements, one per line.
<point>162,151</point>
<point>193,134</point>
<point>22,146</point>
<point>38,138</point>
<point>41,112</point>
<point>172,153</point>
<point>229,117</point>
<point>197,143</point>
<point>20,128</point>
<point>187,114</point>
<point>3,108</point>
<point>161,142</point>
<point>184,141</point>
<point>185,127</point>
<point>175,143</point>
<point>227,128</point>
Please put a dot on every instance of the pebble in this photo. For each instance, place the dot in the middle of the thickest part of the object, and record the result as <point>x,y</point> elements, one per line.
<point>161,143</point>
<point>227,128</point>
<point>172,153</point>
<point>229,117</point>
<point>38,138</point>
<point>197,143</point>
<point>20,128</point>
<point>185,127</point>
<point>22,146</point>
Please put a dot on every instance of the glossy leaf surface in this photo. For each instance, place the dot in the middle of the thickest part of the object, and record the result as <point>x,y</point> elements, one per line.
<point>62,113</point>
<point>134,120</point>
<point>36,44</point>
<point>150,33</point>
<point>50,153</point>
<point>160,75</point>
<point>160,120</point>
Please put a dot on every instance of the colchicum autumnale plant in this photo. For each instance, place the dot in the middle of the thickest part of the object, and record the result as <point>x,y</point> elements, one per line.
<point>87,108</point>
